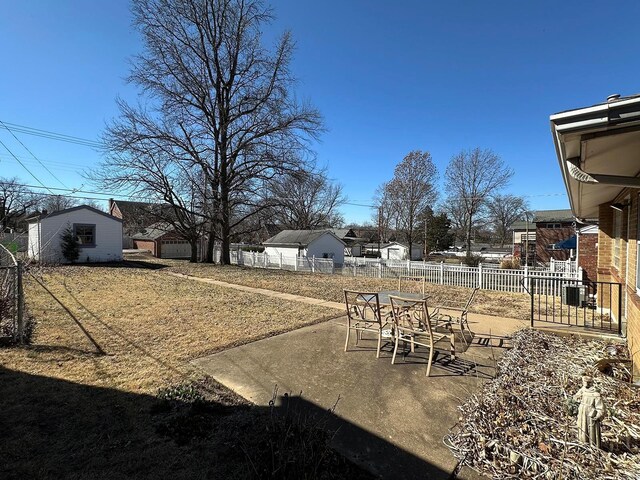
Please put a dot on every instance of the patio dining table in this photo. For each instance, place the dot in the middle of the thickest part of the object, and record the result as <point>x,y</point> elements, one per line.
<point>385,301</point>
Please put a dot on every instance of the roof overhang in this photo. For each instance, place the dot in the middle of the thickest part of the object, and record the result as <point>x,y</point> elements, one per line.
<point>598,149</point>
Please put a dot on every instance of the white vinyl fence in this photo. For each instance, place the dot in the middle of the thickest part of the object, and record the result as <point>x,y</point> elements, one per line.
<point>482,276</point>
<point>278,262</point>
<point>488,277</point>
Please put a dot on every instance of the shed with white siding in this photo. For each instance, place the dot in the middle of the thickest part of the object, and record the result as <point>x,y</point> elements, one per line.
<point>306,243</point>
<point>99,235</point>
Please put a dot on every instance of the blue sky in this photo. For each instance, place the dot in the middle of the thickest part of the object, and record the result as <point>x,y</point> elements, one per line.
<point>389,77</point>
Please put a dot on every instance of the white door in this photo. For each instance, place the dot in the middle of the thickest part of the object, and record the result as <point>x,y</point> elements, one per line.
<point>175,249</point>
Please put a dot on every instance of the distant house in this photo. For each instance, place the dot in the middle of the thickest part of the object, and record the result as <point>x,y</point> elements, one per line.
<point>162,240</point>
<point>353,244</point>
<point>306,243</point>
<point>394,251</point>
<point>135,216</point>
<point>542,237</point>
<point>98,233</point>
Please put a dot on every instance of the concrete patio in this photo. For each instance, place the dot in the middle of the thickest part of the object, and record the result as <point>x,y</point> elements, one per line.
<point>391,419</point>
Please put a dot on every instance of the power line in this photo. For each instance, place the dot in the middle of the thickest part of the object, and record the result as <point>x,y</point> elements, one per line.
<point>51,135</point>
<point>32,154</point>
<point>23,166</point>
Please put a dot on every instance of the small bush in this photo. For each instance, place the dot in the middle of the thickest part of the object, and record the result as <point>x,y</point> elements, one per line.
<point>69,245</point>
<point>472,260</point>
<point>510,263</point>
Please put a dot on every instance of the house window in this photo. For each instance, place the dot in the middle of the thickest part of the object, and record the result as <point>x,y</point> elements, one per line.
<point>617,234</point>
<point>553,225</point>
<point>85,234</point>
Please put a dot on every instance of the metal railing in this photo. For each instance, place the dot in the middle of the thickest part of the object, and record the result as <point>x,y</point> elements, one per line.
<point>574,302</point>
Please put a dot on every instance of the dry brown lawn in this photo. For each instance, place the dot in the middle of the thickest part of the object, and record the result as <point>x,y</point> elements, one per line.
<point>148,324</point>
<point>330,287</point>
<point>79,401</point>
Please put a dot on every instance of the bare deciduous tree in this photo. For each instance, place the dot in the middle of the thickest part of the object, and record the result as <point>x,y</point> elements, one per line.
<point>471,178</point>
<point>309,200</point>
<point>219,106</point>
<point>408,194</point>
<point>15,199</point>
<point>503,211</point>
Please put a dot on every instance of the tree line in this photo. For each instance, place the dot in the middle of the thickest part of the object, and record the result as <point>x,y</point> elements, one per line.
<point>472,201</point>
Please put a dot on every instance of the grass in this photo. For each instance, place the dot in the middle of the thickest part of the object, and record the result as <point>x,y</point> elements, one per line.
<point>81,400</point>
<point>330,287</point>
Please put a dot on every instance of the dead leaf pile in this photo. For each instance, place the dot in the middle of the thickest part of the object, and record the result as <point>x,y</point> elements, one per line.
<point>523,424</point>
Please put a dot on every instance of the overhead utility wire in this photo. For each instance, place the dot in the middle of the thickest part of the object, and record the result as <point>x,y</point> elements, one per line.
<point>50,135</point>
<point>23,166</point>
<point>32,154</point>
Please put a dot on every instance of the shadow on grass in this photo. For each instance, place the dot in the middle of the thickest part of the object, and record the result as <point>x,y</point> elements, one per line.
<point>58,429</point>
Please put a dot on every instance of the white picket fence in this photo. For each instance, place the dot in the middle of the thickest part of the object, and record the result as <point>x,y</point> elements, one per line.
<point>279,262</point>
<point>482,276</point>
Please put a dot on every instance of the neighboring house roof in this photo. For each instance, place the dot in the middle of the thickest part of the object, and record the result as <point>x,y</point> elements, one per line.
<point>374,245</point>
<point>298,238</point>
<point>521,225</point>
<point>344,233</point>
<point>136,215</point>
<point>153,232</point>
<point>42,216</point>
<point>563,215</point>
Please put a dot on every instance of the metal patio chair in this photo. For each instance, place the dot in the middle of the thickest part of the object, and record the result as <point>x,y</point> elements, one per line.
<point>412,279</point>
<point>412,325</point>
<point>364,315</point>
<point>456,315</point>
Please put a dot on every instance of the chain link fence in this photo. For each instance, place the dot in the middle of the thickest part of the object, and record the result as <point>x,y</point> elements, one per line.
<point>12,311</point>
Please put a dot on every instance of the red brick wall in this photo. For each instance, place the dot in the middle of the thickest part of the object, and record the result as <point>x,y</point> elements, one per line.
<point>146,245</point>
<point>547,236</point>
<point>608,273</point>
<point>588,255</point>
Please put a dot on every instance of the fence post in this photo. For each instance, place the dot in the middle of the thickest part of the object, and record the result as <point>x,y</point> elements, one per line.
<point>280,260</point>
<point>333,266</point>
<point>379,268</point>
<point>409,266</point>
<point>313,264</point>
<point>552,264</point>
<point>20,300</point>
<point>354,268</point>
<point>480,275</point>
<point>526,283</point>
<point>441,272</point>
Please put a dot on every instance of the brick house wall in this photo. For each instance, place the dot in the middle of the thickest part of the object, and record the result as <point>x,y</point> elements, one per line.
<point>145,245</point>
<point>547,236</point>
<point>607,272</point>
<point>588,256</point>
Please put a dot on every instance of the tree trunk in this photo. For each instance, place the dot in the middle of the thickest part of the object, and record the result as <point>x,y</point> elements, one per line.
<point>211,242</point>
<point>194,251</point>
<point>469,237</point>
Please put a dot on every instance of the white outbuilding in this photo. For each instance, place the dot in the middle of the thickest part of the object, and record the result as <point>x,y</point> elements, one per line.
<point>99,235</point>
<point>306,243</point>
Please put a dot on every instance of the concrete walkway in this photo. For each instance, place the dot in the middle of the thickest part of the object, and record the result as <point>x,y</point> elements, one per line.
<point>263,291</point>
<point>390,419</point>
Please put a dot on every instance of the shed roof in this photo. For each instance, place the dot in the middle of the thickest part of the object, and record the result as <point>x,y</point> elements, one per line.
<point>153,232</point>
<point>298,238</point>
<point>41,216</point>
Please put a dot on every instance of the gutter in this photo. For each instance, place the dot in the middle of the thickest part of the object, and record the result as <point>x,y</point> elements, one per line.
<point>603,117</point>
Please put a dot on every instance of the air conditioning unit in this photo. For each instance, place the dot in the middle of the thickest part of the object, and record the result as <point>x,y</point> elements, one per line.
<point>574,295</point>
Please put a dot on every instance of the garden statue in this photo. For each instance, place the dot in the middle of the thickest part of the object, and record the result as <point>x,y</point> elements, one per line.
<point>590,412</point>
